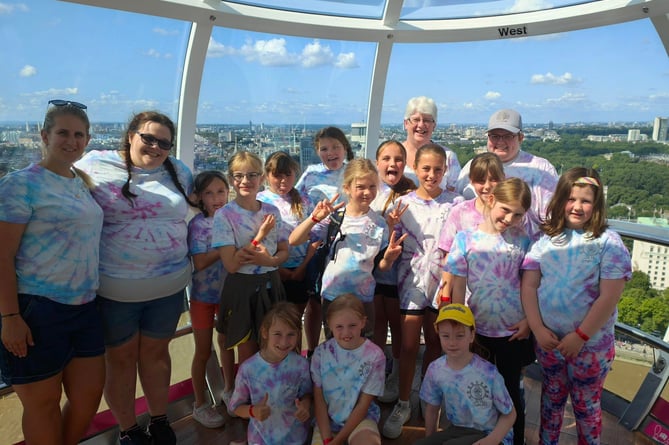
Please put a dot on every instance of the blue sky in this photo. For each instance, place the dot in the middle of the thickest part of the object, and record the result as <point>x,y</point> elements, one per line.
<point>119,63</point>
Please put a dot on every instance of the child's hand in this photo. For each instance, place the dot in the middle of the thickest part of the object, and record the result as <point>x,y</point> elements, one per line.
<point>261,411</point>
<point>546,338</point>
<point>267,225</point>
<point>302,413</point>
<point>393,217</point>
<point>394,248</point>
<point>487,440</point>
<point>522,329</point>
<point>570,345</point>
<point>325,207</point>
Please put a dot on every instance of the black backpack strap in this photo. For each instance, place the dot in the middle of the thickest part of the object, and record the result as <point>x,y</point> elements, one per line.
<point>334,228</point>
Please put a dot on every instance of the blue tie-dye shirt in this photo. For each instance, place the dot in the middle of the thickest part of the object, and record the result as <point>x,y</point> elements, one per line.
<point>318,183</point>
<point>235,226</point>
<point>283,382</point>
<point>147,237</point>
<point>58,254</point>
<point>284,203</point>
<point>571,265</point>
<point>208,283</point>
<point>473,397</point>
<point>344,374</point>
<point>491,264</point>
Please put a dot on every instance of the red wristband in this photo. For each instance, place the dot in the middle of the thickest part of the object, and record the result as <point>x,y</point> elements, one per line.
<point>315,220</point>
<point>445,299</point>
<point>255,243</point>
<point>582,334</point>
<point>251,411</point>
<point>327,441</point>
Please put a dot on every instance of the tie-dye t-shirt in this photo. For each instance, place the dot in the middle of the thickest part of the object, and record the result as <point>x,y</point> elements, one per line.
<point>147,237</point>
<point>472,397</point>
<point>491,264</point>
<point>450,179</point>
<point>283,382</point>
<point>58,254</point>
<point>540,176</point>
<point>296,254</point>
<point>462,216</point>
<point>420,264</point>
<point>318,183</point>
<point>235,226</point>
<point>208,283</point>
<point>344,374</point>
<point>571,265</point>
<point>361,239</point>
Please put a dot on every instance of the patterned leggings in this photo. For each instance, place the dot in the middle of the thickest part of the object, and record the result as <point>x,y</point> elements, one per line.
<point>582,378</point>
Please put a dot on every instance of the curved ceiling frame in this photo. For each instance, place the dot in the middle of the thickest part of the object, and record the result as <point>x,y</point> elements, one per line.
<point>385,32</point>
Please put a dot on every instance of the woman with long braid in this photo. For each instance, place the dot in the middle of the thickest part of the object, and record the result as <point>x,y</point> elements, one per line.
<point>144,268</point>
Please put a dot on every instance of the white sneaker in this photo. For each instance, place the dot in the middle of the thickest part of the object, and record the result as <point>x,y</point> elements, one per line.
<point>401,414</point>
<point>208,416</point>
<point>391,390</point>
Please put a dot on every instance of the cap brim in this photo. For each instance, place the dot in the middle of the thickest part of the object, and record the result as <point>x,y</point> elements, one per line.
<point>510,128</point>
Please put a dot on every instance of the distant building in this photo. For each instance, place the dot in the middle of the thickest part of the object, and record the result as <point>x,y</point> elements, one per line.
<point>652,259</point>
<point>660,127</point>
<point>308,153</point>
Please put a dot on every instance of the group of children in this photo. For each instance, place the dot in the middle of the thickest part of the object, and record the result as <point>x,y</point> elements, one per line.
<point>416,258</point>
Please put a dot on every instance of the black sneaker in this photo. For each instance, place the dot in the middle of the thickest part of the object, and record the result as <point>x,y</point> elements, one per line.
<point>162,433</point>
<point>135,436</point>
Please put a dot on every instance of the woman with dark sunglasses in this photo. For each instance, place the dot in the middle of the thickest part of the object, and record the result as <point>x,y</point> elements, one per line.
<point>144,268</point>
<point>52,339</point>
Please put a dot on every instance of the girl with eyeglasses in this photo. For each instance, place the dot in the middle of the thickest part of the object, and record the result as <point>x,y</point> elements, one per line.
<point>49,242</point>
<point>250,254</point>
<point>144,267</point>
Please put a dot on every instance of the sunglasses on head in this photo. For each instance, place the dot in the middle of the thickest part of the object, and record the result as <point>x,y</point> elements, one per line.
<point>62,103</point>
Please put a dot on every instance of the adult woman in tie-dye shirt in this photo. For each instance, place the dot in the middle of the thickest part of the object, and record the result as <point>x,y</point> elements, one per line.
<point>573,278</point>
<point>144,266</point>
<point>273,388</point>
<point>348,373</point>
<point>49,242</point>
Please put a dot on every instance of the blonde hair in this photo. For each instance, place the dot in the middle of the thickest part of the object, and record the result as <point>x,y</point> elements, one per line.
<point>359,168</point>
<point>243,159</point>
<point>346,302</point>
<point>287,313</point>
<point>513,190</point>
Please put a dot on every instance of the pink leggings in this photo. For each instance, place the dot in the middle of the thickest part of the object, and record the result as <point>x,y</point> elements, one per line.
<point>582,378</point>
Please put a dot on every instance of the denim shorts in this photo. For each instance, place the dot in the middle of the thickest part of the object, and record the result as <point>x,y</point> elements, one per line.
<point>60,332</point>
<point>155,318</point>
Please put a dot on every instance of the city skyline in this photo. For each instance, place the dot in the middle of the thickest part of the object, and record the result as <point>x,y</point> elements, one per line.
<point>119,63</point>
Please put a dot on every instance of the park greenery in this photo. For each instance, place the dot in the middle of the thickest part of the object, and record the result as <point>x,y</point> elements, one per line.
<point>643,307</point>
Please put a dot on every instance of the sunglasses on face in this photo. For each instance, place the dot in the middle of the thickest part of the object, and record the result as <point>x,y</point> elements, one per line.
<point>152,141</point>
<point>62,103</point>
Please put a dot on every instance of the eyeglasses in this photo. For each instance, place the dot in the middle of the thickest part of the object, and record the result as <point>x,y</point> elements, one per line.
<point>62,103</point>
<point>251,176</point>
<point>152,140</point>
<point>508,137</point>
<point>418,120</point>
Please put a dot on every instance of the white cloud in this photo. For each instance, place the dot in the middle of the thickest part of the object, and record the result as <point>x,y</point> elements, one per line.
<point>569,98</point>
<point>55,92</point>
<point>28,71</point>
<point>346,61</point>
<point>216,49</point>
<point>492,95</point>
<point>157,54</point>
<point>268,53</point>
<point>551,79</point>
<point>314,54</point>
<point>274,52</point>
<point>468,105</point>
<point>7,8</point>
